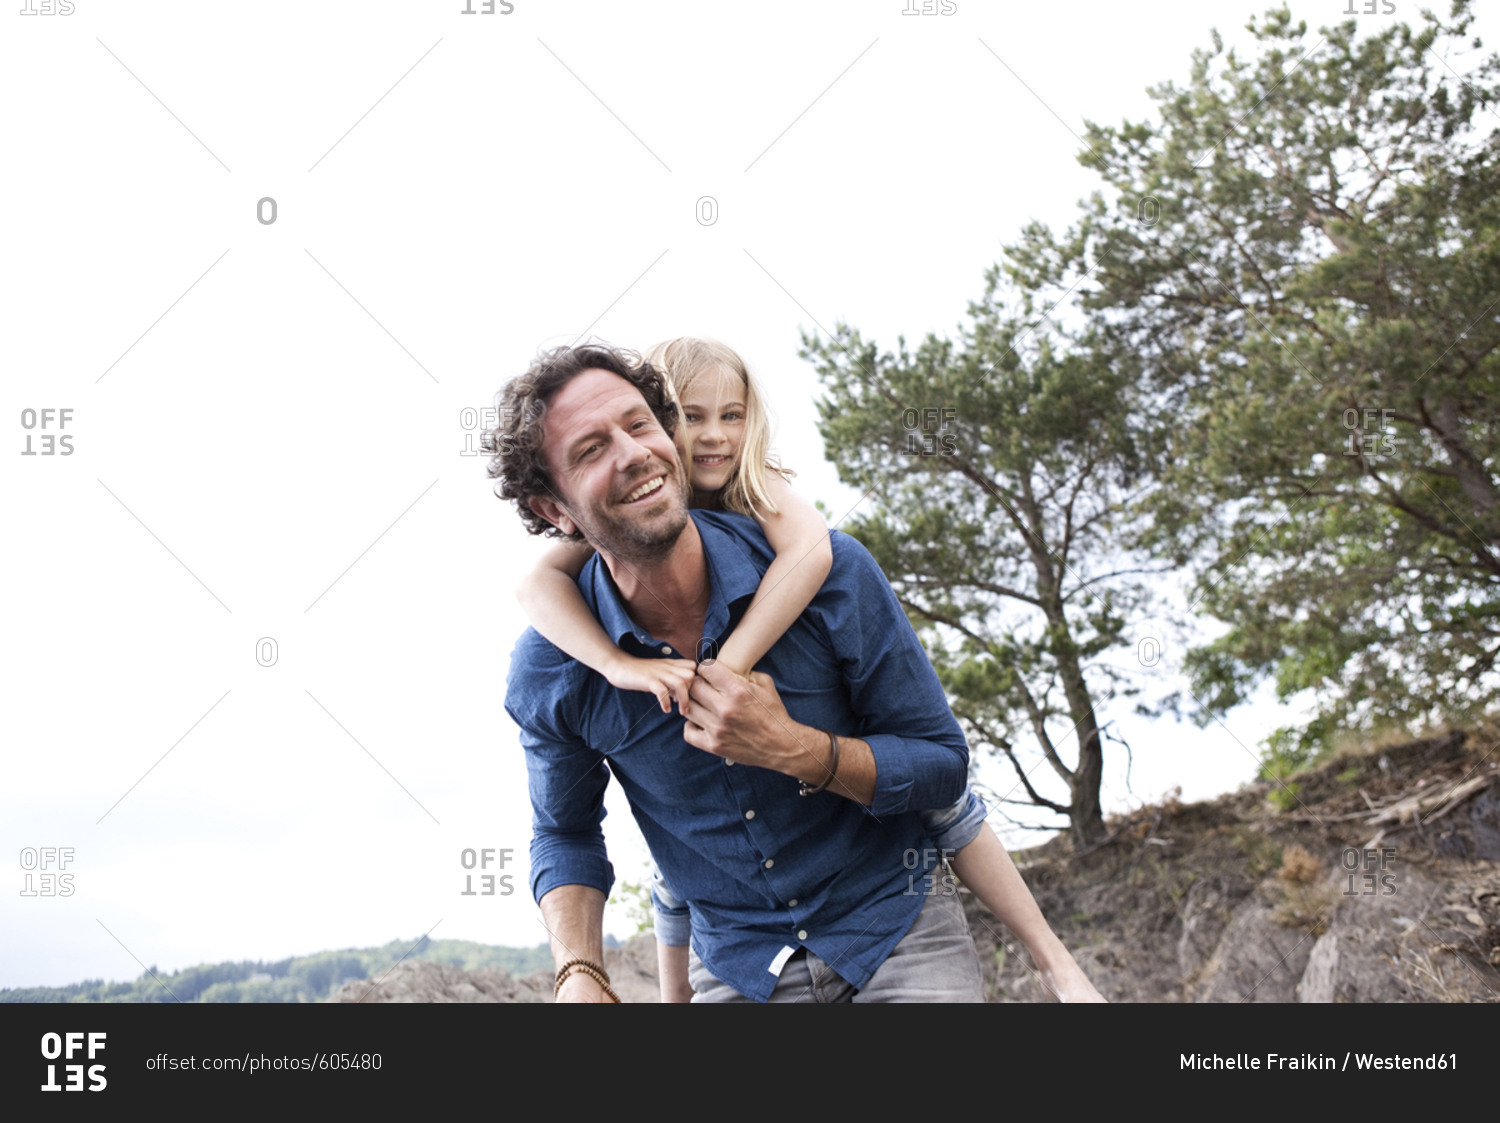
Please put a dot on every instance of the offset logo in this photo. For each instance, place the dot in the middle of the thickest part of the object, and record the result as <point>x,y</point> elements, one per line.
<point>1377,878</point>
<point>484,859</point>
<point>478,424</point>
<point>67,1046</point>
<point>37,422</point>
<point>43,876</point>
<point>927,431</point>
<point>944,884</point>
<point>1369,433</point>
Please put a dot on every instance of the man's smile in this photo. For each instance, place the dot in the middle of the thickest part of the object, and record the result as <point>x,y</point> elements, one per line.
<point>650,487</point>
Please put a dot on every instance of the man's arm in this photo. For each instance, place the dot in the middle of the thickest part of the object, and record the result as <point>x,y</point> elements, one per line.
<point>570,870</point>
<point>574,916</point>
<point>912,756</point>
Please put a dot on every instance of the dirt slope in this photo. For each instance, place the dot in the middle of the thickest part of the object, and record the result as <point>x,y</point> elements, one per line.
<point>1192,903</point>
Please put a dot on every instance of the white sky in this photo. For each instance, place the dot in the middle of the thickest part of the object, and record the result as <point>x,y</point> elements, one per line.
<point>267,443</point>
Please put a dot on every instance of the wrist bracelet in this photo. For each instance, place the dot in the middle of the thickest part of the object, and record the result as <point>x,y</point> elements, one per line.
<point>577,961</point>
<point>804,788</point>
<point>589,968</point>
<point>558,974</point>
<point>593,973</point>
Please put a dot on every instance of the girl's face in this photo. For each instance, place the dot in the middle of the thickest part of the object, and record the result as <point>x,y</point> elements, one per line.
<point>713,414</point>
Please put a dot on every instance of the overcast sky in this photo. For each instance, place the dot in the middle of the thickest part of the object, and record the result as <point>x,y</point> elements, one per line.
<point>271,453</point>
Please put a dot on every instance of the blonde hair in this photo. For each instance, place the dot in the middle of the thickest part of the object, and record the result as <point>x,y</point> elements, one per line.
<point>684,361</point>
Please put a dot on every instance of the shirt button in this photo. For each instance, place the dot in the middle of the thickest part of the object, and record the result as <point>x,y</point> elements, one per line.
<point>792,903</point>
<point>727,763</point>
<point>749,814</point>
<point>770,862</point>
<point>665,650</point>
<point>802,934</point>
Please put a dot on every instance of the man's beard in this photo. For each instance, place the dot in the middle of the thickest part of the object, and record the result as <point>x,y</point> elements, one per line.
<point>613,531</point>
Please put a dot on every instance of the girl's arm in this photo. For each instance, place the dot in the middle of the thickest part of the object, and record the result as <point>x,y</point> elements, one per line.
<point>985,867</point>
<point>550,597</point>
<point>804,555</point>
<point>674,929</point>
<point>672,972</point>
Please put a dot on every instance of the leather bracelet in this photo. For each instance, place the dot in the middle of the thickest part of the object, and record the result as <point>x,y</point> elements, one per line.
<point>804,788</point>
<point>589,968</point>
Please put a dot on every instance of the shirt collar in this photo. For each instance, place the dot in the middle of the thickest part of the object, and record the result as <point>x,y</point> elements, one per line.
<point>732,579</point>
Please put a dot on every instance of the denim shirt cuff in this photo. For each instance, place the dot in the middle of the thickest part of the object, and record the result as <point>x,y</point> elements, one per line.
<point>593,870</point>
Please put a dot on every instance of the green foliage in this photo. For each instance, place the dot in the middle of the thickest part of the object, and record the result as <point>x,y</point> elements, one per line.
<point>635,896</point>
<point>999,468</point>
<point>1314,306</point>
<point>308,978</point>
<point>1284,796</point>
<point>1287,752</point>
<point>1282,374</point>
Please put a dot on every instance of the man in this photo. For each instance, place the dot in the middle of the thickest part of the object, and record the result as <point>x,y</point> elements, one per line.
<point>828,897</point>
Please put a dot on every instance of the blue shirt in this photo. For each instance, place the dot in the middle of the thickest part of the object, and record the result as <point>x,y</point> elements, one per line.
<point>763,869</point>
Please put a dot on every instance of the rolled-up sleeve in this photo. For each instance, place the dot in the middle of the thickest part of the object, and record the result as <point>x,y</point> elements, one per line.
<point>566,780</point>
<point>671,917</point>
<point>921,756</point>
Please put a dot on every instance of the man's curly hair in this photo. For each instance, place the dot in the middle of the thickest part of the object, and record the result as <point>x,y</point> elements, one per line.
<point>514,445</point>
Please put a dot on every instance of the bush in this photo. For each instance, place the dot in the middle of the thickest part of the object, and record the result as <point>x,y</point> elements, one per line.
<point>1306,899</point>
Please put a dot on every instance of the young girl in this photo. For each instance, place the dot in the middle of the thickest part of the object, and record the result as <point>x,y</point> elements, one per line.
<point>723,436</point>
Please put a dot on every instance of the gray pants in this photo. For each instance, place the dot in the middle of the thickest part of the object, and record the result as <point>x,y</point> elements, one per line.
<point>934,962</point>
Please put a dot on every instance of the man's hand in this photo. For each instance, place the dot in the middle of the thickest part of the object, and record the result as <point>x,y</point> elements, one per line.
<point>741,718</point>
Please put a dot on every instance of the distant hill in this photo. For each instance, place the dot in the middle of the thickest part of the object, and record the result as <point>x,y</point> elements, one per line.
<point>306,978</point>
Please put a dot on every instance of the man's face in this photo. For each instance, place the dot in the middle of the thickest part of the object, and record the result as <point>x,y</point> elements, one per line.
<point>618,477</point>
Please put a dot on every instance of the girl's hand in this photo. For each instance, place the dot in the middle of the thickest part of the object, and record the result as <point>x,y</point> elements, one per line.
<point>668,679</point>
<point>1066,982</point>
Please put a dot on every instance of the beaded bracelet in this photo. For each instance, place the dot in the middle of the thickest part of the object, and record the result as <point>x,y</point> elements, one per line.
<point>592,970</point>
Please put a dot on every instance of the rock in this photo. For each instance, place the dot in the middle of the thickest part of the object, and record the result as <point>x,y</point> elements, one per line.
<point>1203,918</point>
<point>631,967</point>
<point>1317,983</point>
<point>1257,960</point>
<point>417,981</point>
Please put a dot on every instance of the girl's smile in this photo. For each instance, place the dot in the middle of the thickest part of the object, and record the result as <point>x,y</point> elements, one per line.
<point>713,414</point>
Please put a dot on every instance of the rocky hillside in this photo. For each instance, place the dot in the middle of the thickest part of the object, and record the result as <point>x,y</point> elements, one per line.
<point>1233,901</point>
<point>1381,884</point>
